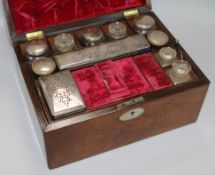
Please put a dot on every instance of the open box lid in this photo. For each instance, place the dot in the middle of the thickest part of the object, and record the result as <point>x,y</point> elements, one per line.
<point>33,15</point>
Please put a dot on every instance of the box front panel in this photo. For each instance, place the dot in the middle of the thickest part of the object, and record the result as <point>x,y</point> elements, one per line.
<point>98,135</point>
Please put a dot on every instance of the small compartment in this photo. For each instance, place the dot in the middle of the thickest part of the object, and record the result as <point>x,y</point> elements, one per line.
<point>152,71</point>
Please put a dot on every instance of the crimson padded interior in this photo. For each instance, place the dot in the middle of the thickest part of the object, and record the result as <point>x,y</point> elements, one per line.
<point>152,71</point>
<point>109,82</point>
<point>39,14</point>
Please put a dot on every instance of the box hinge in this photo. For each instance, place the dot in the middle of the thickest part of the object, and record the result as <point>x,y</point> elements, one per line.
<point>34,35</point>
<point>131,13</point>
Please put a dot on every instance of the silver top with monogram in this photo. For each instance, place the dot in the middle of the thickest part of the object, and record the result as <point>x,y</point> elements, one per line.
<point>62,94</point>
<point>101,52</point>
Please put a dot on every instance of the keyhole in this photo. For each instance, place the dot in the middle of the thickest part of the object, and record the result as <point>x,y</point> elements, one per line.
<point>132,113</point>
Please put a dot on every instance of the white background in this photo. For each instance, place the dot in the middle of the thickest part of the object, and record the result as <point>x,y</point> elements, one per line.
<point>186,151</point>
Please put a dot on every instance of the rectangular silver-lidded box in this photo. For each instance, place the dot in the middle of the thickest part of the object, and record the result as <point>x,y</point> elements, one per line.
<point>74,59</point>
<point>61,93</point>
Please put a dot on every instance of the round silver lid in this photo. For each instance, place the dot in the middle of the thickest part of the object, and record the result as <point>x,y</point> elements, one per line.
<point>64,42</point>
<point>93,35</point>
<point>117,30</point>
<point>43,66</point>
<point>36,48</point>
<point>158,38</point>
<point>144,22</point>
<point>167,54</point>
<point>181,68</point>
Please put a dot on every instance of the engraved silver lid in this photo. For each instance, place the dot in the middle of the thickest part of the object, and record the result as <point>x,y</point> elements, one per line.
<point>36,48</point>
<point>181,68</point>
<point>92,36</point>
<point>62,94</point>
<point>143,23</point>
<point>167,54</point>
<point>158,38</point>
<point>71,60</point>
<point>43,66</point>
<point>117,30</point>
<point>64,42</point>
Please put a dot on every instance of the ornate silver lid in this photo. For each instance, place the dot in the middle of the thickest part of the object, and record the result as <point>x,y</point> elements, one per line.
<point>62,94</point>
<point>71,60</point>
<point>64,42</point>
<point>117,30</point>
<point>92,36</point>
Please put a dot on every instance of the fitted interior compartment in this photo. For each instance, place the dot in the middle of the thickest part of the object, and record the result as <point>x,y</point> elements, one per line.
<point>77,35</point>
<point>112,90</point>
<point>152,71</point>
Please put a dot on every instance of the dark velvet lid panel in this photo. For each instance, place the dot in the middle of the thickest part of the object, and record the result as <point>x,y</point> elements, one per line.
<point>31,15</point>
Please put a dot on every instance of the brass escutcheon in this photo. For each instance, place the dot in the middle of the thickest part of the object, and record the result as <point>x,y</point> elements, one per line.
<point>132,114</point>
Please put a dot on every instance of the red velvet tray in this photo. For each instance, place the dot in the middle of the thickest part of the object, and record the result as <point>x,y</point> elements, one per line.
<point>111,81</point>
<point>31,15</point>
<point>152,71</point>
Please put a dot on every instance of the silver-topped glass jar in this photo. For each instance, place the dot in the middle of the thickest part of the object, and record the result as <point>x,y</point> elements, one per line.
<point>92,36</point>
<point>36,48</point>
<point>181,72</point>
<point>181,68</point>
<point>117,30</point>
<point>143,23</point>
<point>166,56</point>
<point>64,42</point>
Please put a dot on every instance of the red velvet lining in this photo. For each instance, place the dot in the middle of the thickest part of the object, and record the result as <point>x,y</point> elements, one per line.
<point>109,82</point>
<point>116,86</point>
<point>92,87</point>
<point>38,14</point>
<point>152,71</point>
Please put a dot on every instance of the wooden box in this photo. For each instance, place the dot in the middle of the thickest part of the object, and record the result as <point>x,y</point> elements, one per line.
<point>74,137</point>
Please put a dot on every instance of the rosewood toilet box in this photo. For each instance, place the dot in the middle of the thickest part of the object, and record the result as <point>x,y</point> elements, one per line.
<point>126,91</point>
